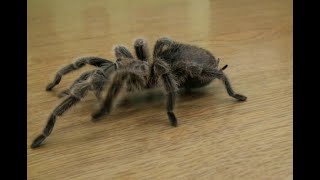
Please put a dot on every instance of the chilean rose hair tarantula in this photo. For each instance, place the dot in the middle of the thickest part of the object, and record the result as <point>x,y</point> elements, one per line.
<point>173,66</point>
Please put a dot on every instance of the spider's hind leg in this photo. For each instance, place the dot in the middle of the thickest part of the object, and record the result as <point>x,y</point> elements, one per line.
<point>230,90</point>
<point>214,73</point>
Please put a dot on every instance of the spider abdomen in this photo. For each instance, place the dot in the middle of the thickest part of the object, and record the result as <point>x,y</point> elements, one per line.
<point>189,64</point>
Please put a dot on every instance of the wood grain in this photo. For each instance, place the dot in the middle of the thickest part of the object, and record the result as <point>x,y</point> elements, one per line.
<point>218,137</point>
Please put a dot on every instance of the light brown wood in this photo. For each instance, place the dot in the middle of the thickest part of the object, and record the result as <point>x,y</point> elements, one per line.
<point>217,137</point>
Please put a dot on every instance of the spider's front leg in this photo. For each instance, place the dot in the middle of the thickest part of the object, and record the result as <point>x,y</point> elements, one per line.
<point>99,79</point>
<point>95,81</point>
<point>79,92</point>
<point>82,78</point>
<point>122,52</point>
<point>141,48</point>
<point>95,61</point>
<point>120,78</point>
<point>162,70</point>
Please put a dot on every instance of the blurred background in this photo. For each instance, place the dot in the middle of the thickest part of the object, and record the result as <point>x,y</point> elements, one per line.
<point>218,138</point>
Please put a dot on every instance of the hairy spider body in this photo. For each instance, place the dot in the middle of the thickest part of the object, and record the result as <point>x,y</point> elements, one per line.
<point>191,65</point>
<point>173,65</point>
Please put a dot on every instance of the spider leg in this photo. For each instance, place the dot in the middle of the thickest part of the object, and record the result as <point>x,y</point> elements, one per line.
<point>99,78</point>
<point>141,48</point>
<point>211,74</point>
<point>161,45</point>
<point>152,79</point>
<point>230,90</point>
<point>122,52</point>
<point>170,88</point>
<point>120,78</point>
<point>161,70</point>
<point>96,61</point>
<point>82,78</point>
<point>76,94</point>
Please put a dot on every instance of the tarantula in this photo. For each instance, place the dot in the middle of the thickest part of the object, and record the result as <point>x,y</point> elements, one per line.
<point>173,66</point>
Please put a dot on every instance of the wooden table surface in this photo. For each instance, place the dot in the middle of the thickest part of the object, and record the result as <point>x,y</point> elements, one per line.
<point>217,137</point>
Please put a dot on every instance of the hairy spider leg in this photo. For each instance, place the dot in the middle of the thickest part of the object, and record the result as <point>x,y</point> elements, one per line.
<point>95,81</point>
<point>141,49</point>
<point>96,61</point>
<point>81,78</point>
<point>120,78</point>
<point>122,52</point>
<point>58,111</point>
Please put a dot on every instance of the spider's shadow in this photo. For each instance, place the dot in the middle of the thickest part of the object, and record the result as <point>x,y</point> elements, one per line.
<point>158,97</point>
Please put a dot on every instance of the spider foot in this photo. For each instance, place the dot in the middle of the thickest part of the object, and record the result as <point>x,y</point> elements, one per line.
<point>37,142</point>
<point>50,86</point>
<point>97,116</point>
<point>240,97</point>
<point>173,119</point>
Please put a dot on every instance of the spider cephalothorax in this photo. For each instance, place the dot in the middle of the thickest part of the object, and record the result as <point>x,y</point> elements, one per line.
<point>173,65</point>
